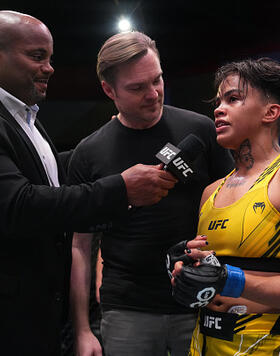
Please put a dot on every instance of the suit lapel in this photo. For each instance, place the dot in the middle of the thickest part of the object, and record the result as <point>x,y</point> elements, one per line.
<point>8,117</point>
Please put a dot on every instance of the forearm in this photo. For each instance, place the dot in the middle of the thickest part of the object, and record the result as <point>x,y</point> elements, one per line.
<point>265,290</point>
<point>98,279</point>
<point>80,282</point>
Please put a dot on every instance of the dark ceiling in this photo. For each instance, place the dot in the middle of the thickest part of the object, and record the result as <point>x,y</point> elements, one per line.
<point>193,36</point>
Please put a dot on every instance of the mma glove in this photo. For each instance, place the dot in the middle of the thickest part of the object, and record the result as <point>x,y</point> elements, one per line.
<point>196,286</point>
<point>177,253</point>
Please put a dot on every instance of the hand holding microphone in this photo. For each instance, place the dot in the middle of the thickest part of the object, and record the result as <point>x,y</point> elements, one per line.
<point>178,160</point>
<point>147,185</point>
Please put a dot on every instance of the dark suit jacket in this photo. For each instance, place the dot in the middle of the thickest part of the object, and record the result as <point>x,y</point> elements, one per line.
<point>35,249</point>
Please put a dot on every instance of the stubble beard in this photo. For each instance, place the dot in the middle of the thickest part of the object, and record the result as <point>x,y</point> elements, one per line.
<point>36,96</point>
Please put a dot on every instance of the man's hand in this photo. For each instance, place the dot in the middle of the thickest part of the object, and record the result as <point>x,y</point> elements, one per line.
<point>87,344</point>
<point>147,185</point>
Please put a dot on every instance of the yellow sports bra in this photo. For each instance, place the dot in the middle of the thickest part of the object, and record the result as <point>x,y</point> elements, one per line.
<point>249,228</point>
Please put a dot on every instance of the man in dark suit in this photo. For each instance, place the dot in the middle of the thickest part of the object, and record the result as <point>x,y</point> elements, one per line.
<point>35,207</point>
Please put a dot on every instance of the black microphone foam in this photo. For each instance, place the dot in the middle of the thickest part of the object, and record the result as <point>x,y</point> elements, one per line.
<point>192,146</point>
<point>177,159</point>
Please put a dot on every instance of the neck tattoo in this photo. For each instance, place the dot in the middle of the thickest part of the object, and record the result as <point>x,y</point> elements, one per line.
<point>244,155</point>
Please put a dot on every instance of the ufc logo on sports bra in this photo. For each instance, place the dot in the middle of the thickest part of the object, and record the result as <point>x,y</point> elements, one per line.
<point>212,322</point>
<point>215,224</point>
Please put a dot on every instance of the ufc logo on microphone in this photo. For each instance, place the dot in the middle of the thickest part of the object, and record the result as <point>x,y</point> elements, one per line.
<point>182,165</point>
<point>167,152</point>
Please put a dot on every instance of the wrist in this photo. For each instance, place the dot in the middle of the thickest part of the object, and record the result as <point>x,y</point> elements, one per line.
<point>80,331</point>
<point>235,282</point>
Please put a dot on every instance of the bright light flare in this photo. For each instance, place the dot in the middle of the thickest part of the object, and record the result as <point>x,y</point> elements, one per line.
<point>124,25</point>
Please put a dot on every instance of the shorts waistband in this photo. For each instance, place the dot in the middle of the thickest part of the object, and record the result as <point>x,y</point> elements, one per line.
<point>225,325</point>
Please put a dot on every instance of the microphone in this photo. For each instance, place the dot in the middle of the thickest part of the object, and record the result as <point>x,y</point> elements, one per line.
<point>177,159</point>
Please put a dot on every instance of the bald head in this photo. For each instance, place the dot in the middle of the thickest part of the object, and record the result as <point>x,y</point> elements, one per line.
<point>13,24</point>
<point>26,48</point>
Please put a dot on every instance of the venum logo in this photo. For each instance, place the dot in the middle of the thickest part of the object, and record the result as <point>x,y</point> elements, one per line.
<point>215,224</point>
<point>259,207</point>
<point>212,322</point>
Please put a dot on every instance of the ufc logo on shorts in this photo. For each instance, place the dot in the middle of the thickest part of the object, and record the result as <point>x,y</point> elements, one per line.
<point>212,322</point>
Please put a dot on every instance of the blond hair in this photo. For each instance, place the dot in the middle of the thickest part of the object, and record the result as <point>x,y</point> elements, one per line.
<point>122,48</point>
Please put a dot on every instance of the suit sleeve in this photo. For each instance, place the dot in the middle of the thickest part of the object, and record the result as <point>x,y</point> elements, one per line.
<point>65,158</point>
<point>27,207</point>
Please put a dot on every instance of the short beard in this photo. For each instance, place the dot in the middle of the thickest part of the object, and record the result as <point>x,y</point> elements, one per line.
<point>36,97</point>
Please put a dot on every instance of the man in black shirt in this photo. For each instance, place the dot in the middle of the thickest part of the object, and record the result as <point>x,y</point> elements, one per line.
<point>139,315</point>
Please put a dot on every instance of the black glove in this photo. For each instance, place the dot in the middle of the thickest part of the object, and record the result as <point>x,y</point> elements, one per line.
<point>196,286</point>
<point>177,253</point>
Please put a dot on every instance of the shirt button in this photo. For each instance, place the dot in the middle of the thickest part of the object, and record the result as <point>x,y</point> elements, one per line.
<point>57,297</point>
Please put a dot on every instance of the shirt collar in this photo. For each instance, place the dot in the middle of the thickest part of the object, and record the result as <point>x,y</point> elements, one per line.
<point>16,106</point>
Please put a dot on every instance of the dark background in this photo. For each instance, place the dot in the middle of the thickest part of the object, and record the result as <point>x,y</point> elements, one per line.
<point>194,37</point>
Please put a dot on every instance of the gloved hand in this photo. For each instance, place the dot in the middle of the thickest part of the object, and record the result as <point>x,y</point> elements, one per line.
<point>196,286</point>
<point>177,253</point>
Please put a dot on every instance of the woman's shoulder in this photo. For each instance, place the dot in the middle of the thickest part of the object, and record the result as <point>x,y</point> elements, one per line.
<point>209,190</point>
